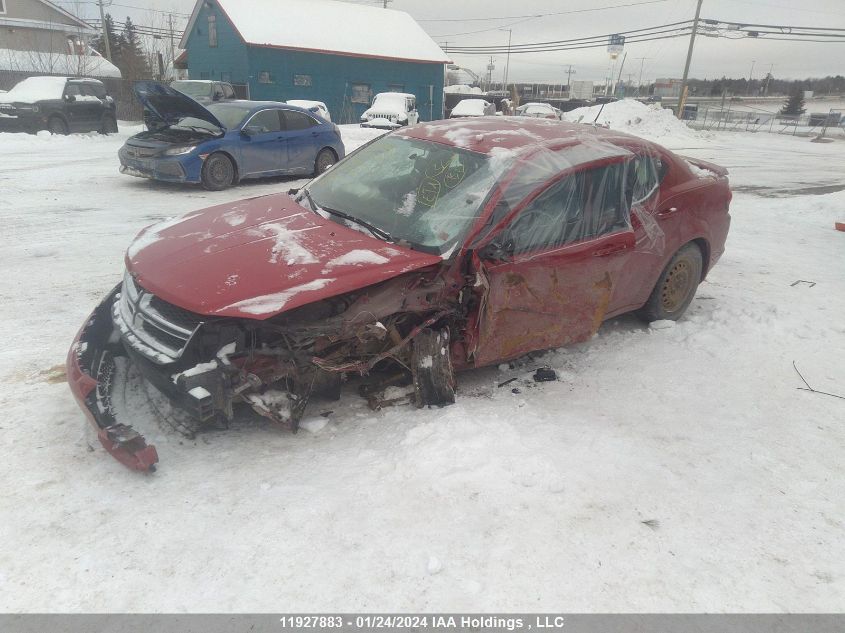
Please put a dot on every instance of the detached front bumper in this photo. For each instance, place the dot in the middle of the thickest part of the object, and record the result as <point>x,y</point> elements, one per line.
<point>90,371</point>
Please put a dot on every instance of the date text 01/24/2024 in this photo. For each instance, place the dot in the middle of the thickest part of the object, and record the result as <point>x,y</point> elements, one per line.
<point>372,621</point>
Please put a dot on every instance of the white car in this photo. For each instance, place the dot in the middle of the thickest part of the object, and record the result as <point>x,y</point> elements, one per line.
<point>539,111</point>
<point>314,107</point>
<point>472,107</point>
<point>391,110</point>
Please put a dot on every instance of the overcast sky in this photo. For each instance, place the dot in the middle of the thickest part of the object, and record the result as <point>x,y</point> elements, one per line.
<point>713,57</point>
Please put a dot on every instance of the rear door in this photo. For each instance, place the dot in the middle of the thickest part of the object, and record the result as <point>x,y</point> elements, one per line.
<point>302,140</point>
<point>263,148</point>
<point>566,249</point>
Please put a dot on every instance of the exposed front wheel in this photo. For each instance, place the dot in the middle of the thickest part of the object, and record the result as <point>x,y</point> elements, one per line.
<point>218,172</point>
<point>325,159</point>
<point>57,125</point>
<point>676,287</point>
<point>434,378</point>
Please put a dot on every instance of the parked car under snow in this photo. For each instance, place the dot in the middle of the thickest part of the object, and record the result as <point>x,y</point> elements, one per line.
<point>60,105</point>
<point>438,248</point>
<point>472,108</point>
<point>314,107</point>
<point>391,110</point>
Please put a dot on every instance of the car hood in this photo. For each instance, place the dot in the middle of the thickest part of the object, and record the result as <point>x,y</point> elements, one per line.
<point>259,257</point>
<point>170,105</point>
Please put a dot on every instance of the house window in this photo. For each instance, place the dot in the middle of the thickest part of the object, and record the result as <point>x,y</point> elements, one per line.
<point>212,31</point>
<point>396,87</point>
<point>361,93</point>
<point>203,75</point>
<point>302,80</point>
<point>264,77</point>
<point>224,76</point>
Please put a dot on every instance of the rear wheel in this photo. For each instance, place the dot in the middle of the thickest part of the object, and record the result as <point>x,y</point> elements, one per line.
<point>218,172</point>
<point>676,287</point>
<point>108,125</point>
<point>431,363</point>
<point>57,125</point>
<point>325,159</point>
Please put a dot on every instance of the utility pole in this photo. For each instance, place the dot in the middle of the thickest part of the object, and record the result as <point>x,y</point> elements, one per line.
<point>640,80</point>
<point>105,31</point>
<point>751,76</point>
<point>683,97</point>
<point>172,45</point>
<point>569,80</point>
<point>508,60</point>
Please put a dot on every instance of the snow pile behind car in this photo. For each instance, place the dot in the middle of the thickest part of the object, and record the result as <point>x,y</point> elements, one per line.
<point>650,121</point>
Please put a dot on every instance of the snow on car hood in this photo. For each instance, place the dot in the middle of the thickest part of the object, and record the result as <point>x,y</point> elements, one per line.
<point>170,105</point>
<point>259,257</point>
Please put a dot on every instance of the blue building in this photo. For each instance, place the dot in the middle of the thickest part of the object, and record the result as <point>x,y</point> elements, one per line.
<point>339,53</point>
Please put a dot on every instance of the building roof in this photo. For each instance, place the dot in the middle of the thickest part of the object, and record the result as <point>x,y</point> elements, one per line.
<point>91,65</point>
<point>327,26</point>
<point>70,21</point>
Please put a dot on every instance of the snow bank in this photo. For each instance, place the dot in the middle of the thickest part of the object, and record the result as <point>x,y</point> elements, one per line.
<point>628,115</point>
<point>463,89</point>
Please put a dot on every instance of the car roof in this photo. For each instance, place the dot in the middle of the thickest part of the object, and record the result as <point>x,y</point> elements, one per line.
<point>487,135</point>
<point>397,94</point>
<point>85,79</point>
<point>259,105</point>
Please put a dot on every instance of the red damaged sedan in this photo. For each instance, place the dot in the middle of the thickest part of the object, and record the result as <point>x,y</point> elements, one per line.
<point>438,248</point>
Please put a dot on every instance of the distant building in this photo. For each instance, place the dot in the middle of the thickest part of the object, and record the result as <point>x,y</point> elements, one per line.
<point>339,53</point>
<point>670,88</point>
<point>38,37</point>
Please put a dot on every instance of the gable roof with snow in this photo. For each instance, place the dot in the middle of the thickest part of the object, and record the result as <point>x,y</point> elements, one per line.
<point>43,14</point>
<point>327,26</point>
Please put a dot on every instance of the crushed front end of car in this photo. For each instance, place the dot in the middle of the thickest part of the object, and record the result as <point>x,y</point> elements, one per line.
<point>209,366</point>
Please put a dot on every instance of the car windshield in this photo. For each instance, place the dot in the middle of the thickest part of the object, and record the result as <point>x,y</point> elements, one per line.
<point>423,194</point>
<point>193,88</point>
<point>231,116</point>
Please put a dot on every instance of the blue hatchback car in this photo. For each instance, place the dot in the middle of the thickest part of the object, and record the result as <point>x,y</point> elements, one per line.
<point>222,143</point>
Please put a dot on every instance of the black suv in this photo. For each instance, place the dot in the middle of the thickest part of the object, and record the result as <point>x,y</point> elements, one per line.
<point>61,105</point>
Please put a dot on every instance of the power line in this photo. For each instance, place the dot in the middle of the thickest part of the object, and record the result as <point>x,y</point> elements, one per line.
<point>541,15</point>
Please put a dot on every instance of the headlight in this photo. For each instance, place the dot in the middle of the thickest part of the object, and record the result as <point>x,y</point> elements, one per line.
<point>178,151</point>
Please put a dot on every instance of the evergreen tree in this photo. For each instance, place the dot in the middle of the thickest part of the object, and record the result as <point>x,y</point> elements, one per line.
<point>133,63</point>
<point>795,103</point>
<point>114,41</point>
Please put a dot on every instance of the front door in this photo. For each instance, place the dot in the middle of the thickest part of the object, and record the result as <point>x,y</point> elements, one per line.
<point>263,149</point>
<point>564,253</point>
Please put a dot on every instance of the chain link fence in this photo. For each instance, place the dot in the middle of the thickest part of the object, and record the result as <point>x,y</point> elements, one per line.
<point>812,124</point>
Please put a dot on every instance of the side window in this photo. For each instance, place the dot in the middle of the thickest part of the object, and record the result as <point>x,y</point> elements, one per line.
<point>297,121</point>
<point>411,105</point>
<point>644,176</point>
<point>266,120</point>
<point>72,89</point>
<point>88,90</point>
<point>212,31</point>
<point>100,90</point>
<point>552,219</point>
<point>583,205</point>
<point>228,92</point>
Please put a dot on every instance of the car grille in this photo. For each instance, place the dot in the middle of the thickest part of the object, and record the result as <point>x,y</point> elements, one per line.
<point>158,330</point>
<point>133,151</point>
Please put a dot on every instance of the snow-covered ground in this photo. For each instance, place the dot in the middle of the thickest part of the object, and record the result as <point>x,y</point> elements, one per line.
<point>675,469</point>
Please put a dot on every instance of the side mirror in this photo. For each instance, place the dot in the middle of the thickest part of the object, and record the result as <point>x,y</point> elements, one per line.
<point>251,130</point>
